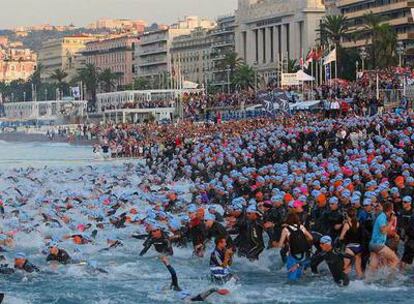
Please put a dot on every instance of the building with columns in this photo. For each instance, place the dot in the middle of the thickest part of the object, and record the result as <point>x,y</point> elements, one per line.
<point>269,32</point>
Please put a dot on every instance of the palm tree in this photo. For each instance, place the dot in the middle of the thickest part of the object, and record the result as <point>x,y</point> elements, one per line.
<point>244,77</point>
<point>231,60</point>
<point>384,44</point>
<point>59,76</point>
<point>36,79</point>
<point>142,83</point>
<point>109,79</point>
<point>383,39</point>
<point>293,66</point>
<point>333,29</point>
<point>89,76</point>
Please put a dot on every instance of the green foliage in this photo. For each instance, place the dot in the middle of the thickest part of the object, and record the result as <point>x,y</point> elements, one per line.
<point>244,77</point>
<point>142,83</point>
<point>383,41</point>
<point>109,80</point>
<point>293,66</point>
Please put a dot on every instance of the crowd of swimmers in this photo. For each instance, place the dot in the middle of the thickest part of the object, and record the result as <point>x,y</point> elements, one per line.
<point>318,190</point>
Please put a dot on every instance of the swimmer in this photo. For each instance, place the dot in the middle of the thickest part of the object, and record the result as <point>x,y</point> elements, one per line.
<point>22,263</point>
<point>162,245</point>
<point>201,297</point>
<point>4,266</point>
<point>334,260</point>
<point>220,261</point>
<point>58,254</point>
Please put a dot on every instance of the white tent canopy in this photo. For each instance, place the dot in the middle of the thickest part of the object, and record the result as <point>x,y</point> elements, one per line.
<point>302,76</point>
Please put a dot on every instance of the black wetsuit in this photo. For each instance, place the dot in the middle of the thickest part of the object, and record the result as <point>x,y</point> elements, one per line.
<point>197,232</point>
<point>5,269</point>
<point>62,257</point>
<point>218,231</point>
<point>331,218</point>
<point>29,267</point>
<point>162,245</point>
<point>252,243</point>
<point>275,215</point>
<point>335,263</point>
<point>114,245</point>
<point>408,255</point>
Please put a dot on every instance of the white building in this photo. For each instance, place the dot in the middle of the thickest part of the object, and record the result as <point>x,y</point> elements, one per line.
<point>49,110</point>
<point>191,55</point>
<point>271,31</point>
<point>139,105</point>
<point>153,54</point>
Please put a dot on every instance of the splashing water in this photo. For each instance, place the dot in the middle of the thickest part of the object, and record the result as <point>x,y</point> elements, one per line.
<point>132,279</point>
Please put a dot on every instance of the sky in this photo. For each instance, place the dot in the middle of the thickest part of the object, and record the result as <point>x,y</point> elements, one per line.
<point>81,12</point>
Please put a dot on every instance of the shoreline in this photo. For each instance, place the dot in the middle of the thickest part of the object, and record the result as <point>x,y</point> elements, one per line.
<point>21,137</point>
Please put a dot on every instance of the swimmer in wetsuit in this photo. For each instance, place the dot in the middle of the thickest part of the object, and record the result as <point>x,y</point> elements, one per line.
<point>334,260</point>
<point>162,245</point>
<point>57,254</point>
<point>21,263</point>
<point>4,266</point>
<point>186,297</point>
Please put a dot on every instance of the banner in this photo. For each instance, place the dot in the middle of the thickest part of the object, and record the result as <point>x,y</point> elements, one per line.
<point>327,72</point>
<point>289,79</point>
<point>330,57</point>
<point>189,85</point>
<point>75,92</point>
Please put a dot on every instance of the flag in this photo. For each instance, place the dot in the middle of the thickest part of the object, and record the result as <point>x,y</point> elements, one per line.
<point>327,72</point>
<point>318,54</point>
<point>309,59</point>
<point>330,57</point>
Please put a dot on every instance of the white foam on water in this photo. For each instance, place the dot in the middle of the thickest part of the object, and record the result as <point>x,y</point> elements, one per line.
<point>14,300</point>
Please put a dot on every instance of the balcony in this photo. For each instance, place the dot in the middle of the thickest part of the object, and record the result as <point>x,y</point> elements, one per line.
<point>381,9</point>
<point>151,63</point>
<point>364,42</point>
<point>392,22</point>
<point>223,43</point>
<point>153,51</point>
<point>342,3</point>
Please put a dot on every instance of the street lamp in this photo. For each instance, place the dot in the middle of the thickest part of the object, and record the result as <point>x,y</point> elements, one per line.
<point>255,67</point>
<point>228,79</point>
<point>356,69</point>
<point>400,52</point>
<point>363,54</point>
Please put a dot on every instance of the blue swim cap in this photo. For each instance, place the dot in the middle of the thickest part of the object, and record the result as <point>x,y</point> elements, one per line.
<point>326,239</point>
<point>209,217</point>
<point>20,255</point>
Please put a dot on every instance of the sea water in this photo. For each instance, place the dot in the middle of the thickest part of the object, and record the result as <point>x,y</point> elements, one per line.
<point>134,279</point>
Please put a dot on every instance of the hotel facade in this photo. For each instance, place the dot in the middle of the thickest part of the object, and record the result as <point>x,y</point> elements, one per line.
<point>269,32</point>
